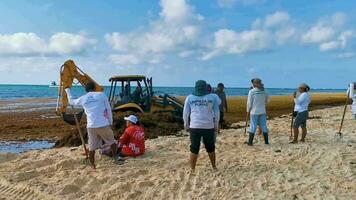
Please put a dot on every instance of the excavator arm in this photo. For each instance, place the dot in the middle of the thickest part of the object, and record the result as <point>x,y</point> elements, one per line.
<point>68,72</point>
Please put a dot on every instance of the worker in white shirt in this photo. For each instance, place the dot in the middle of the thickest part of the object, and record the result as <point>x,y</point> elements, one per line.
<point>256,106</point>
<point>302,102</point>
<point>99,119</point>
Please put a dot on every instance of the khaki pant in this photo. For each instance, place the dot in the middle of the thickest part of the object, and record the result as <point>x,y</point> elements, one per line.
<point>97,135</point>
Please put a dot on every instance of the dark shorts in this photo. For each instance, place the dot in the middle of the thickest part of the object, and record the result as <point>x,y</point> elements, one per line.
<point>301,120</point>
<point>208,136</point>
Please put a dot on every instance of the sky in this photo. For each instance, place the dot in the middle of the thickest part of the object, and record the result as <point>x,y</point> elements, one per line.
<point>177,42</point>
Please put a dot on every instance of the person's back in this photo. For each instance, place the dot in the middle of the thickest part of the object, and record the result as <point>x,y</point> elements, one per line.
<point>257,100</point>
<point>202,111</point>
<point>97,109</point>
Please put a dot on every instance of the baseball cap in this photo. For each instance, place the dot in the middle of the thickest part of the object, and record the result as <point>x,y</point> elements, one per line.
<point>131,118</point>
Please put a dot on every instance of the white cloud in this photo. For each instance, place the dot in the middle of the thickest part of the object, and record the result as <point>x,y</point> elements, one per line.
<point>22,44</point>
<point>285,34</point>
<point>339,43</point>
<point>176,30</point>
<point>276,18</point>
<point>117,41</point>
<point>175,11</point>
<point>231,42</point>
<point>67,43</point>
<point>328,46</point>
<point>318,33</point>
<point>30,44</point>
<point>124,59</point>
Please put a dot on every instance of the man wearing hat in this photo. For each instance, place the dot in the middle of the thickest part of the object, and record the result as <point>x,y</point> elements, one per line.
<point>301,102</point>
<point>99,119</point>
<point>256,107</point>
<point>201,119</point>
<point>132,142</point>
<point>222,95</point>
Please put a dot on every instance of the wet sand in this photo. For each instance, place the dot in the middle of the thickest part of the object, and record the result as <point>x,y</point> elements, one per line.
<point>324,167</point>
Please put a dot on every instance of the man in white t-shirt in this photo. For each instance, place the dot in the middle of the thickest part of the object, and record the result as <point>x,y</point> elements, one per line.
<point>99,119</point>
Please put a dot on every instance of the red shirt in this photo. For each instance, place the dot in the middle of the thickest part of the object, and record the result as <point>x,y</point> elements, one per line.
<point>133,141</point>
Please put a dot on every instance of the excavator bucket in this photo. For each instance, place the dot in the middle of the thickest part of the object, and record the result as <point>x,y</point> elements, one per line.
<point>69,118</point>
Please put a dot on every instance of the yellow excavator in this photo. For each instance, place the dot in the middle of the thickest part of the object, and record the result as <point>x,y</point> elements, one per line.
<point>142,99</point>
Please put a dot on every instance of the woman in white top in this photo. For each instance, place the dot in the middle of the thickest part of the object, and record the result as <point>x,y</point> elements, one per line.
<point>351,92</point>
<point>302,102</point>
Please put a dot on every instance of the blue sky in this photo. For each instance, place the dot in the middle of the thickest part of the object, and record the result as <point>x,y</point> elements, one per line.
<point>180,41</point>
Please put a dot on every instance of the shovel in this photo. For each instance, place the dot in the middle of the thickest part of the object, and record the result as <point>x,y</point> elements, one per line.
<point>81,135</point>
<point>343,116</point>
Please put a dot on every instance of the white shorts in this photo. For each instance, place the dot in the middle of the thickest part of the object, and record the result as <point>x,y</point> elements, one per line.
<point>97,135</point>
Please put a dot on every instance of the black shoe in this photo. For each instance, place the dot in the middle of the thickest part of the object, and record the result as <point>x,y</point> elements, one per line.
<point>250,139</point>
<point>265,136</point>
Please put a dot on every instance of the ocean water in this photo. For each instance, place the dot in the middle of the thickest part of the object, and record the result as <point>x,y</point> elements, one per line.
<point>11,92</point>
<point>20,147</point>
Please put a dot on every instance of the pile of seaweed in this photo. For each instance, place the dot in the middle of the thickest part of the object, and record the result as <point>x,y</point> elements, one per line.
<point>154,124</point>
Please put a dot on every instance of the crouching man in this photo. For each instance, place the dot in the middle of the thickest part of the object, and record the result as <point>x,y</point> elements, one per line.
<point>132,142</point>
<point>99,119</point>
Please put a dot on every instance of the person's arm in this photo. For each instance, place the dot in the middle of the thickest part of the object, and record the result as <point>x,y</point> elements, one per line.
<point>124,139</point>
<point>186,113</point>
<point>216,110</point>
<point>71,100</point>
<point>108,107</point>
<point>225,100</point>
<point>267,98</point>
<point>249,102</point>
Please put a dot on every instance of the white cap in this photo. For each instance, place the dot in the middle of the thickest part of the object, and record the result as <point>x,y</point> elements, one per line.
<point>131,118</point>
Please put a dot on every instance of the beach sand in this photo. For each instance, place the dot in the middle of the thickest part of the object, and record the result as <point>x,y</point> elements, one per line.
<point>322,168</point>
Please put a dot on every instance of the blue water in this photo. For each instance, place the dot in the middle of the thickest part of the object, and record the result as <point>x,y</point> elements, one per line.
<point>43,91</point>
<point>20,147</point>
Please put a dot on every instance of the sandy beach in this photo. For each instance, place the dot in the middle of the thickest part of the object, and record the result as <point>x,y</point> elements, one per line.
<point>322,168</point>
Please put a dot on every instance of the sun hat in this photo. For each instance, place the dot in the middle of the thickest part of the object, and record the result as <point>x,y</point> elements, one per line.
<point>256,80</point>
<point>131,118</point>
<point>304,85</point>
<point>200,88</point>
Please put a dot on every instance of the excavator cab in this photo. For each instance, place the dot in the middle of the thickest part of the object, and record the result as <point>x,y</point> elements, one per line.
<point>131,93</point>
